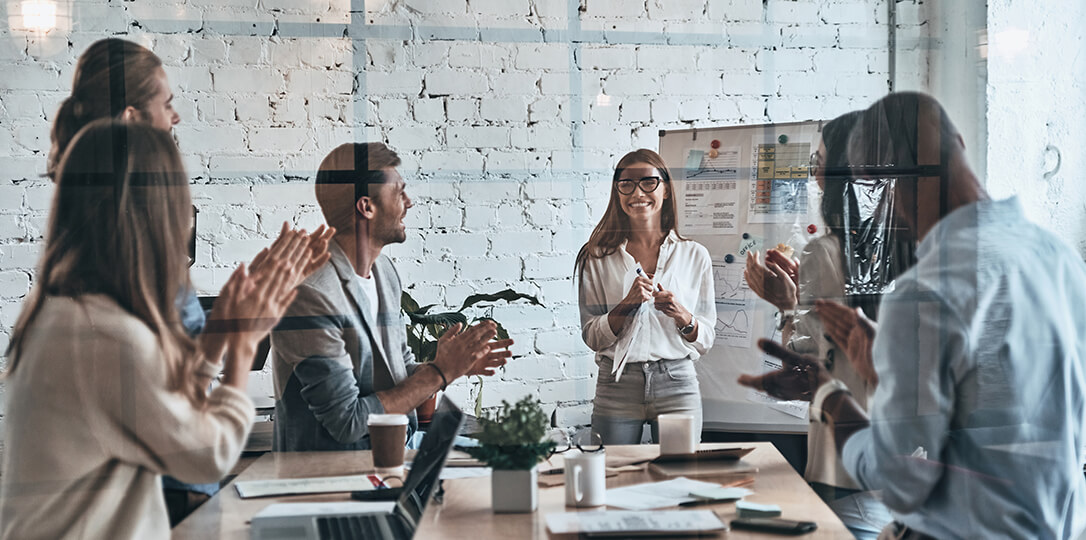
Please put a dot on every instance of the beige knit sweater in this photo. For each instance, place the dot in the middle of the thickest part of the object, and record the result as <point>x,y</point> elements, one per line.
<point>90,428</point>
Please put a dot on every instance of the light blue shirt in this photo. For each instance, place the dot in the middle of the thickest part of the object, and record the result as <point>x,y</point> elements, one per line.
<point>981,356</point>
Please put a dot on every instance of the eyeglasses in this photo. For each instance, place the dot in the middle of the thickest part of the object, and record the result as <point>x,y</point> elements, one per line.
<point>585,440</point>
<point>647,184</point>
<point>817,161</point>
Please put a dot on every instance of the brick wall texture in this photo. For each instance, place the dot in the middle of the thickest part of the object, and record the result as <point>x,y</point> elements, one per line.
<point>509,116</point>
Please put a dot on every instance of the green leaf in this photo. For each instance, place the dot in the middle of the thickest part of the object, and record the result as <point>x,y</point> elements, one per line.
<point>408,304</point>
<point>445,319</point>
<point>509,295</point>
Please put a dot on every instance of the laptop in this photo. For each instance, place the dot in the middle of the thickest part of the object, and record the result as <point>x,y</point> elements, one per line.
<point>385,520</point>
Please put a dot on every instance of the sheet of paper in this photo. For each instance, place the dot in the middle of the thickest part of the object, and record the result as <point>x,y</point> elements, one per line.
<point>452,473</point>
<point>644,522</point>
<point>325,508</point>
<point>799,409</point>
<point>656,494</point>
<point>734,304</point>
<point>302,486</point>
<point>778,191</point>
<point>711,192</point>
<point>722,493</point>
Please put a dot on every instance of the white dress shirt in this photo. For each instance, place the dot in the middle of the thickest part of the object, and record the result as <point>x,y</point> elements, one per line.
<point>981,356</point>
<point>683,267</point>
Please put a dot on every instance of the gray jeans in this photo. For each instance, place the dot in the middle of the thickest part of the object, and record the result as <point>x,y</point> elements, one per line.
<point>645,391</point>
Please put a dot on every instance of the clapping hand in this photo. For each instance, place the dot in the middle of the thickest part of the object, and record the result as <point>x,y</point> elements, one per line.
<point>775,281</point>
<point>497,355</point>
<point>254,299</point>
<point>851,330</point>
<point>798,379</point>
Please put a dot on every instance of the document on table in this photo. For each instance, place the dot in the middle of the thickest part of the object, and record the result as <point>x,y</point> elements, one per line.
<point>617,522</point>
<point>305,486</point>
<point>656,494</point>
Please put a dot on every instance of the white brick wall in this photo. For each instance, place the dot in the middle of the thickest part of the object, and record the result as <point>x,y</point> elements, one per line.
<point>484,127</point>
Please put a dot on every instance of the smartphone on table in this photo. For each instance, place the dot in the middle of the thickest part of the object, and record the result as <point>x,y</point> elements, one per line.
<point>774,525</point>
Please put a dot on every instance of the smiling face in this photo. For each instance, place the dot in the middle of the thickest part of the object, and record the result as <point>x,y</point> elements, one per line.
<point>390,202</point>
<point>640,205</point>
<point>159,111</point>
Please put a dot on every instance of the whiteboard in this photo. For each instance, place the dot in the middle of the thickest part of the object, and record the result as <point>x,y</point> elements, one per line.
<point>740,188</point>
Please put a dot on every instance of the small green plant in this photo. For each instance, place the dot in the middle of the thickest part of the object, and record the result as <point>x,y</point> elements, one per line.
<point>425,328</point>
<point>512,436</point>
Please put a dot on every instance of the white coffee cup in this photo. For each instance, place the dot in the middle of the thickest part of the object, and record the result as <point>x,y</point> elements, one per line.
<point>677,434</point>
<point>388,436</point>
<point>586,478</point>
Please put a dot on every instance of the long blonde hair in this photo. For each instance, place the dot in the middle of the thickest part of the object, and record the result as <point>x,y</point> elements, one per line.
<point>614,228</point>
<point>111,75</point>
<point>119,227</point>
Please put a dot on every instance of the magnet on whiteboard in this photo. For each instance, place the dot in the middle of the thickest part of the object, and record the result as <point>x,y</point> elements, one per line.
<point>729,258</point>
<point>746,236</point>
<point>783,139</point>
<point>715,144</point>
<point>812,228</point>
<point>713,154</point>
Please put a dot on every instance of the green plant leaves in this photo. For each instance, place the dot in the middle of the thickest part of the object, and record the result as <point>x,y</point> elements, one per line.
<point>511,436</point>
<point>509,295</point>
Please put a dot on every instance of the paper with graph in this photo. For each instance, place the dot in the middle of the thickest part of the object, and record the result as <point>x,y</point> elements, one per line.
<point>734,305</point>
<point>711,195</point>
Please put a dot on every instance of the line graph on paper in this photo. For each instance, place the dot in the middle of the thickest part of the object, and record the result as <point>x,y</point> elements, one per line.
<point>734,305</point>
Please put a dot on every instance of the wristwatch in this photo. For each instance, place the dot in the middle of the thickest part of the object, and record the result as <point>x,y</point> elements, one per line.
<point>686,330</point>
<point>783,317</point>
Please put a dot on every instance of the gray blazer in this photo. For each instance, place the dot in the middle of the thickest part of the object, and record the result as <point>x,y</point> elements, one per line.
<point>323,357</point>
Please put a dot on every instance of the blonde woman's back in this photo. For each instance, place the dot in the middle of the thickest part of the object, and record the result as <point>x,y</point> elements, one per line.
<point>90,426</point>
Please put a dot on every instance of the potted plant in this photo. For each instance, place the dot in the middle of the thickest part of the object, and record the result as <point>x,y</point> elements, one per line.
<point>511,442</point>
<point>424,328</point>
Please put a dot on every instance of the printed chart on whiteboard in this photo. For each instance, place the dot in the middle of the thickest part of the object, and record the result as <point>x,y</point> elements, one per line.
<point>711,194</point>
<point>778,192</point>
<point>734,305</point>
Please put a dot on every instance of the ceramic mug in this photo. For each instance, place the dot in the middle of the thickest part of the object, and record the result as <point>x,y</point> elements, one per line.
<point>586,478</point>
<point>677,434</point>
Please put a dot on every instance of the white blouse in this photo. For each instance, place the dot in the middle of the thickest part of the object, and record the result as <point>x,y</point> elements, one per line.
<point>683,267</point>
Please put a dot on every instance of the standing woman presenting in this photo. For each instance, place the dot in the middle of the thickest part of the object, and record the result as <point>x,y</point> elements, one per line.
<point>647,305</point>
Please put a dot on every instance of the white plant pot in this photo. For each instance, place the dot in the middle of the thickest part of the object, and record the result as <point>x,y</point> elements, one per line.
<point>513,491</point>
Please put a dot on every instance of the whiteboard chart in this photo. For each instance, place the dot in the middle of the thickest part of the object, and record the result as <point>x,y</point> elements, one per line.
<point>740,189</point>
<point>734,305</point>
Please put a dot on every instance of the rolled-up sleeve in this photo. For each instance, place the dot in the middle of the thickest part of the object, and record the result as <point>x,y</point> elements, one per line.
<point>595,330</point>
<point>919,344</point>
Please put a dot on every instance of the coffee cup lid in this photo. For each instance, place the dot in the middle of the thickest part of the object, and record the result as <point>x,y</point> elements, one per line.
<point>387,420</point>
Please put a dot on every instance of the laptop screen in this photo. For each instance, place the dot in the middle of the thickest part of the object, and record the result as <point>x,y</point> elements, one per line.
<point>429,461</point>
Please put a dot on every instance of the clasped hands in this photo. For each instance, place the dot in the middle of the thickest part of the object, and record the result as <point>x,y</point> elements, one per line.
<point>662,299</point>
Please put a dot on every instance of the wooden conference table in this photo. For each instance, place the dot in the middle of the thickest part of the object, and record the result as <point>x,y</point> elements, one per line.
<point>466,510</point>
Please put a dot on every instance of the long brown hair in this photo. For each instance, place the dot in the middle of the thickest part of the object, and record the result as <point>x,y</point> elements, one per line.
<point>119,227</point>
<point>111,75</point>
<point>614,228</point>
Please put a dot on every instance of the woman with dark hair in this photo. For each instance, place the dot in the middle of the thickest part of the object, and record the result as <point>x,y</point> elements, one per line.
<point>106,391</point>
<point>794,288</point>
<point>633,258</point>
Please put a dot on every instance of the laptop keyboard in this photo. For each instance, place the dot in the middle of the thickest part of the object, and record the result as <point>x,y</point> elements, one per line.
<point>356,527</point>
<point>349,527</point>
